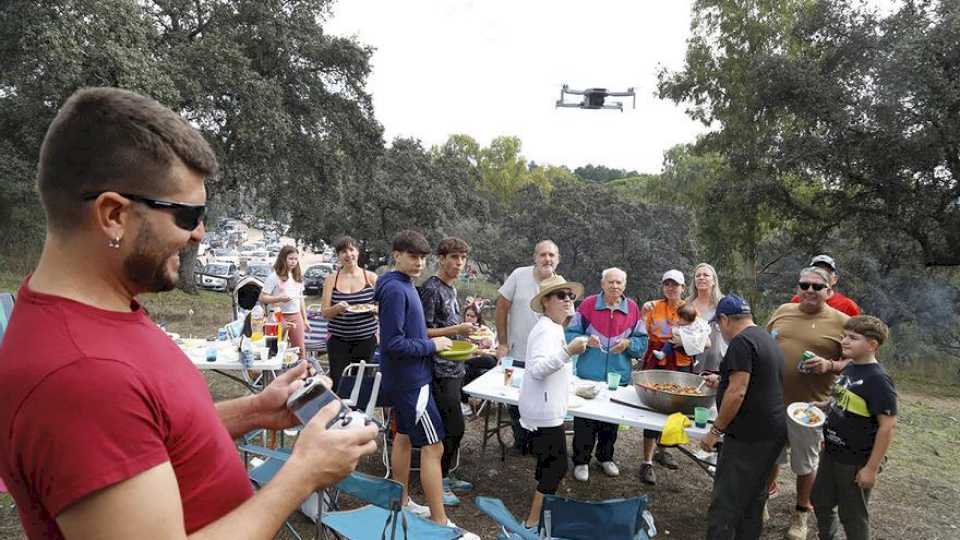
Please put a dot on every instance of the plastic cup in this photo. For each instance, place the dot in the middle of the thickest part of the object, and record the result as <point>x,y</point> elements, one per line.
<point>507,376</point>
<point>700,416</point>
<point>506,362</point>
<point>613,380</point>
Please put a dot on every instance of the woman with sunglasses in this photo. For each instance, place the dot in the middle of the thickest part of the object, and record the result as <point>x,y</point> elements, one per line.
<point>284,290</point>
<point>546,385</point>
<point>661,316</point>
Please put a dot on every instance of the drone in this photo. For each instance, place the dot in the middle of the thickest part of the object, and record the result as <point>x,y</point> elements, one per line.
<point>594,98</point>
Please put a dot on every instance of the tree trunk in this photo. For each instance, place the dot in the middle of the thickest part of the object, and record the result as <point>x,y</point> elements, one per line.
<point>188,260</point>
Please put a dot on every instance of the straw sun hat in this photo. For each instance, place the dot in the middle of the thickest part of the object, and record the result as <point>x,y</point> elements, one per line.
<point>551,284</point>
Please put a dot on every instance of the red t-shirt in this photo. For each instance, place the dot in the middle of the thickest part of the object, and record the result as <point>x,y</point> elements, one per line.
<point>91,398</point>
<point>839,302</point>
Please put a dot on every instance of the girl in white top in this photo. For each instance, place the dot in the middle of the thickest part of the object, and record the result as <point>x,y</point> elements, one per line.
<point>546,385</point>
<point>284,290</point>
<point>705,296</point>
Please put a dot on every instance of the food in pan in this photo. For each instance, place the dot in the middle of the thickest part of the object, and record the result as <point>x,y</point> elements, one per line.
<point>671,388</point>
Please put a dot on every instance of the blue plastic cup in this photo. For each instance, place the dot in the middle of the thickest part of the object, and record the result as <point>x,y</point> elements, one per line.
<point>506,362</point>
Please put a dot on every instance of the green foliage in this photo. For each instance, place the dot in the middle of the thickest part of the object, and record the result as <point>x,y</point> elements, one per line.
<point>600,173</point>
<point>282,102</point>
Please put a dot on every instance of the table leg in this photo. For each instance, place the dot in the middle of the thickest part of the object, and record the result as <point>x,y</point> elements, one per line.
<point>499,425</point>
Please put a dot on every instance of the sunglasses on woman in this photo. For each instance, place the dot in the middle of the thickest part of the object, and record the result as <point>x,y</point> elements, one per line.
<point>186,216</point>
<point>804,285</point>
<point>563,295</point>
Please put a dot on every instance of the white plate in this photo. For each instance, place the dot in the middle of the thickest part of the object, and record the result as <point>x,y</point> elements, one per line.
<point>801,405</point>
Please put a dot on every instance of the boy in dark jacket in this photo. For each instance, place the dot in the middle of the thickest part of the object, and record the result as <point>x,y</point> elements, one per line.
<point>405,360</point>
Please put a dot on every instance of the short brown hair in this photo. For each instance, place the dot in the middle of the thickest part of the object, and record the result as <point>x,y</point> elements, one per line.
<point>687,312</point>
<point>344,243</point>
<point>448,246</point>
<point>116,140</point>
<point>868,327</point>
<point>411,242</point>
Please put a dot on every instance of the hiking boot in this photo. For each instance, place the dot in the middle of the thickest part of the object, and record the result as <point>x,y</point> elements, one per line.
<point>647,476</point>
<point>581,473</point>
<point>798,526</point>
<point>456,485</point>
<point>449,499</point>
<point>610,468</point>
<point>666,459</point>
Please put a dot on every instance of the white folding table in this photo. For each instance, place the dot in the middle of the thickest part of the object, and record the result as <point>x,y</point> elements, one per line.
<point>621,406</point>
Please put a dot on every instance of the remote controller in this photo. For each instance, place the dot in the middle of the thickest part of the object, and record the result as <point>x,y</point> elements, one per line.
<point>313,396</point>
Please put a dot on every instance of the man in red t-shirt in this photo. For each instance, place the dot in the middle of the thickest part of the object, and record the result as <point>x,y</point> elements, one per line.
<point>836,299</point>
<point>109,431</point>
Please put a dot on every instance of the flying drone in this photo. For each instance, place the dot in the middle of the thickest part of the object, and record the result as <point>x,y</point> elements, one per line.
<point>595,98</point>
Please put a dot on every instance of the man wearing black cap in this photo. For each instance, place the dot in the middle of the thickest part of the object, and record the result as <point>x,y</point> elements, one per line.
<point>751,419</point>
<point>836,299</point>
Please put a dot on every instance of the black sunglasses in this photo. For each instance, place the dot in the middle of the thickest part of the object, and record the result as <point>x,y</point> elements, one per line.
<point>186,216</point>
<point>564,295</point>
<point>804,285</point>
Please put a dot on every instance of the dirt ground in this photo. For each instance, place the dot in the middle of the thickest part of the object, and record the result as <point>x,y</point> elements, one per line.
<point>916,497</point>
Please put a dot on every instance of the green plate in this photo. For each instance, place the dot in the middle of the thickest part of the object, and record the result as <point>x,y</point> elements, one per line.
<point>459,351</point>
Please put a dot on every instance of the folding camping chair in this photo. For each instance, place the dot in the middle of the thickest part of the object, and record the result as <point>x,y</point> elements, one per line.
<point>365,395</point>
<point>264,471</point>
<point>382,518</point>
<point>315,338</point>
<point>569,519</point>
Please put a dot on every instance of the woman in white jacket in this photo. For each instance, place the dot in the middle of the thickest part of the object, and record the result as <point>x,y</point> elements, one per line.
<point>546,385</point>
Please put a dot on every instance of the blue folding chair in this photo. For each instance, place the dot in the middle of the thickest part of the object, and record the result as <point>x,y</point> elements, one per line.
<point>569,519</point>
<point>6,310</point>
<point>382,518</point>
<point>267,469</point>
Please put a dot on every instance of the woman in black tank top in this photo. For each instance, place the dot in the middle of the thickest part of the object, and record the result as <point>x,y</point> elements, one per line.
<point>353,334</point>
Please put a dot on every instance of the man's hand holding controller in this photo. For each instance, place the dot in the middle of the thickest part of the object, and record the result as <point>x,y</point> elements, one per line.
<point>327,456</point>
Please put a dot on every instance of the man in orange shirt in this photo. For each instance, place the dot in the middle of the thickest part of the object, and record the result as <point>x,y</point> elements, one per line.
<point>836,299</point>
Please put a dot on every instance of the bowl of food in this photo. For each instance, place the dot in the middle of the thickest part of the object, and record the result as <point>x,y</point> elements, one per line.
<point>587,390</point>
<point>672,391</point>
<point>458,351</point>
<point>806,414</point>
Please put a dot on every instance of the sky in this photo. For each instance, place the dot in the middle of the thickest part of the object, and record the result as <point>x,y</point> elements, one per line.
<point>489,68</point>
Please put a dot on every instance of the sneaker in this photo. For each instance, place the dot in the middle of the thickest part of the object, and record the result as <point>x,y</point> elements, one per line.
<point>466,535</point>
<point>581,473</point>
<point>456,485</point>
<point>466,409</point>
<point>449,499</point>
<point>647,476</point>
<point>666,459</point>
<point>418,509</point>
<point>798,526</point>
<point>610,468</point>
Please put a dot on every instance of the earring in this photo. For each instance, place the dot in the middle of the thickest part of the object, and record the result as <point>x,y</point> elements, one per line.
<point>114,243</point>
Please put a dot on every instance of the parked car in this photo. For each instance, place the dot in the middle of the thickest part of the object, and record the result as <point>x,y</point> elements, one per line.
<point>259,270</point>
<point>218,276</point>
<point>313,278</point>
<point>227,255</point>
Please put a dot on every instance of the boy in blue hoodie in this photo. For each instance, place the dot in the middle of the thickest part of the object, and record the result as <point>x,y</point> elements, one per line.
<point>406,355</point>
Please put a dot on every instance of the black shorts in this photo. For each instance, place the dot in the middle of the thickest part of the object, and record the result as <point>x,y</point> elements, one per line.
<point>550,448</point>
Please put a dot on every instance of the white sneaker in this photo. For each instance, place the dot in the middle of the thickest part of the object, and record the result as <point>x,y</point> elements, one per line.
<point>610,468</point>
<point>418,509</point>
<point>467,535</point>
<point>466,409</point>
<point>581,473</point>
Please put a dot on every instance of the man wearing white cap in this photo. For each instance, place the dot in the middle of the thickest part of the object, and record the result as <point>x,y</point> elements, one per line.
<point>835,299</point>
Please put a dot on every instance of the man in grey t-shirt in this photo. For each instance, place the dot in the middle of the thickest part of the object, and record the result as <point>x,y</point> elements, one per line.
<point>515,319</point>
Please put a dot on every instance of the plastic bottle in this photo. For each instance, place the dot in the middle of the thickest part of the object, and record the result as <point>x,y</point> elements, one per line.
<point>256,323</point>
